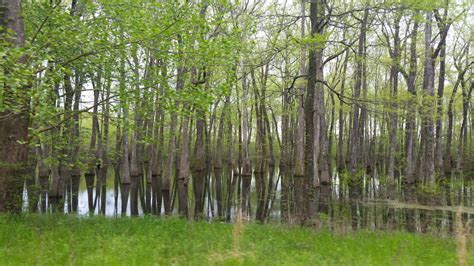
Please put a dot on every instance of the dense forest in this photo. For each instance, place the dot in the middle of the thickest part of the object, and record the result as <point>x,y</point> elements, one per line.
<point>196,107</point>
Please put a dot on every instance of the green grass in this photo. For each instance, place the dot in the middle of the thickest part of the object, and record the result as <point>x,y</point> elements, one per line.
<point>66,240</point>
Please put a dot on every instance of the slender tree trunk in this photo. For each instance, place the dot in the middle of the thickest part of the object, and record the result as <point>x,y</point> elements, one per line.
<point>157,149</point>
<point>117,162</point>
<point>462,157</point>
<point>75,143</point>
<point>125,178</point>
<point>394,71</point>
<point>340,143</point>
<point>246,167</point>
<point>231,177</point>
<point>449,136</point>
<point>104,148</point>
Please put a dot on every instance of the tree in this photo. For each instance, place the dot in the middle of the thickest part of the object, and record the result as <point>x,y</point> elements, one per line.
<point>15,119</point>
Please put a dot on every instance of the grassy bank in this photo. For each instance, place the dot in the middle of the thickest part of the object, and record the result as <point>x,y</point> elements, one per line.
<point>58,240</point>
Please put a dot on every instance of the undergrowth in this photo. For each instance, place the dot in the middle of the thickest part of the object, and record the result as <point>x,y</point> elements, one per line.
<point>69,240</point>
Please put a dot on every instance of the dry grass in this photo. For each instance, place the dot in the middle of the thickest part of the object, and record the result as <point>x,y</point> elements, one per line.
<point>237,231</point>
<point>462,235</point>
<point>235,254</point>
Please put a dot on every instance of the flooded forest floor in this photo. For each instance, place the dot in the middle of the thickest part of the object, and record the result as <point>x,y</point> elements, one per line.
<point>72,240</point>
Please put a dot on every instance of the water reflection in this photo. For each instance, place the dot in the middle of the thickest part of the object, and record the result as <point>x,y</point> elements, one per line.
<point>272,197</point>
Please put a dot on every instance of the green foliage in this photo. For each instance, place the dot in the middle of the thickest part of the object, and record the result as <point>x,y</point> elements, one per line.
<point>318,41</point>
<point>429,190</point>
<point>14,76</point>
<point>108,45</point>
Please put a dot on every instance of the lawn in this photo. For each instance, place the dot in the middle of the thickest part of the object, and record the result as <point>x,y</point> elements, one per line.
<point>69,240</point>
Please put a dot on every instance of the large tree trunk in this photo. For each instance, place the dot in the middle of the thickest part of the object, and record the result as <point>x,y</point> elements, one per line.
<point>394,71</point>
<point>315,133</point>
<point>136,151</point>
<point>356,133</point>
<point>410,125</point>
<point>218,162</point>
<point>199,166</point>
<point>183,160</point>
<point>427,136</point>
<point>443,29</point>
<point>14,124</point>
<point>355,145</point>
<point>299,154</point>
<point>260,163</point>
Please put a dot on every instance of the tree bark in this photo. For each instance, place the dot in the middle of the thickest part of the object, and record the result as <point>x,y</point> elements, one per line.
<point>394,71</point>
<point>314,114</point>
<point>14,127</point>
<point>443,29</point>
<point>410,125</point>
<point>427,153</point>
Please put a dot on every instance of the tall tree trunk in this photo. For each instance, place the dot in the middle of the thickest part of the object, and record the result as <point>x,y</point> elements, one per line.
<point>427,153</point>
<point>460,78</point>
<point>183,160</point>
<point>231,177</point>
<point>157,150</point>
<point>410,125</point>
<point>134,173</point>
<point>136,149</point>
<point>14,123</point>
<point>199,166</point>
<point>394,71</point>
<point>443,29</point>
<point>117,161</point>
<point>354,146</point>
<point>314,113</point>
<point>300,134</point>
<point>260,163</point>
<point>246,167</point>
<point>75,143</point>
<point>102,175</point>
<point>340,142</point>
<point>183,176</point>
<point>125,178</point>
<point>462,157</point>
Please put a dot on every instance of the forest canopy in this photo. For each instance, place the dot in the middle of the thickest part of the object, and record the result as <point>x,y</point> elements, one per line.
<point>180,101</point>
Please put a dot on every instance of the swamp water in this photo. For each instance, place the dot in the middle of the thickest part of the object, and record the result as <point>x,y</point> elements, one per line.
<point>373,206</point>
